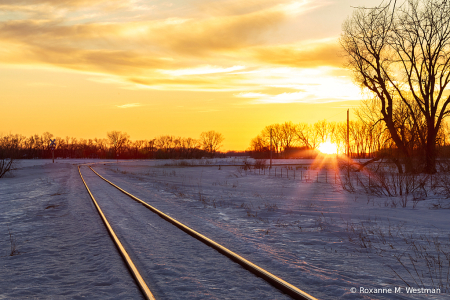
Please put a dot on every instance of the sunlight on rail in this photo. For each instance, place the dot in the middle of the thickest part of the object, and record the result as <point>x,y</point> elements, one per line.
<point>134,271</point>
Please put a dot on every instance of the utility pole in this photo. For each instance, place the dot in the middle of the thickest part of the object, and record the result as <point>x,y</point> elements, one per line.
<point>348,143</point>
<point>271,147</point>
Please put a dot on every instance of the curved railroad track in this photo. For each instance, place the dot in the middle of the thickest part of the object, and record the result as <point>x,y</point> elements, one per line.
<point>275,281</point>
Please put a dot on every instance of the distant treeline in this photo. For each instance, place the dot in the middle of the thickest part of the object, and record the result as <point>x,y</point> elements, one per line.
<point>116,145</point>
<point>366,139</point>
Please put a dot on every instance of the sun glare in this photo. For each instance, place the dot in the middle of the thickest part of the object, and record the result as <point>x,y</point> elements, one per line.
<point>328,148</point>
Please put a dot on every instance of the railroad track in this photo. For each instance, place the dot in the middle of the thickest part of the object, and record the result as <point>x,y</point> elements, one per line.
<point>275,281</point>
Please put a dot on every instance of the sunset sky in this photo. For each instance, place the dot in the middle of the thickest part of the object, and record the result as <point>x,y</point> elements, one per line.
<point>147,67</point>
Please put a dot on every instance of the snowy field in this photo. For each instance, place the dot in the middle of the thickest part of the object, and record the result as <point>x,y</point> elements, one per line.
<point>305,229</point>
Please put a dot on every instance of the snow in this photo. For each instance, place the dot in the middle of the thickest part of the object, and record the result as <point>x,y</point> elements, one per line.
<point>63,250</point>
<point>309,232</point>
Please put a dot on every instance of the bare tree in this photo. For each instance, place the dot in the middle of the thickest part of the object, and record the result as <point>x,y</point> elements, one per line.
<point>211,141</point>
<point>9,152</point>
<point>101,146</point>
<point>402,54</point>
<point>150,147</point>
<point>117,140</point>
<point>288,134</point>
<point>259,144</point>
<point>273,132</point>
<point>189,146</point>
<point>165,143</point>
<point>138,145</point>
<point>307,135</point>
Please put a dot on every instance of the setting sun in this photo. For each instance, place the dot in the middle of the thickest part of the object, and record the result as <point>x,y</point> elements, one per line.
<point>328,148</point>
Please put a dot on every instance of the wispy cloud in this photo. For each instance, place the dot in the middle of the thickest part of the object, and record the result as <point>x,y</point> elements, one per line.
<point>44,84</point>
<point>313,90</point>
<point>57,3</point>
<point>296,97</point>
<point>301,55</point>
<point>202,70</point>
<point>129,105</point>
<point>260,98</point>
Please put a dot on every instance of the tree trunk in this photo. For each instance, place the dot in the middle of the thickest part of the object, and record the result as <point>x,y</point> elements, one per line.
<point>430,153</point>
<point>400,145</point>
<point>409,168</point>
<point>398,165</point>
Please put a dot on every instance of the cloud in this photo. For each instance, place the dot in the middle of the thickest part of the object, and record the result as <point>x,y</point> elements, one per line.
<point>315,54</point>
<point>250,95</point>
<point>312,89</point>
<point>202,70</point>
<point>185,36</point>
<point>100,45</point>
<point>59,3</point>
<point>239,7</point>
<point>261,98</point>
<point>78,47</point>
<point>198,53</point>
<point>296,97</point>
<point>44,84</point>
<point>236,7</point>
<point>200,37</point>
<point>129,105</point>
<point>191,84</point>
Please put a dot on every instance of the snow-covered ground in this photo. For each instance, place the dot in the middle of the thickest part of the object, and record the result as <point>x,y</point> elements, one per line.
<point>306,230</point>
<point>63,252</point>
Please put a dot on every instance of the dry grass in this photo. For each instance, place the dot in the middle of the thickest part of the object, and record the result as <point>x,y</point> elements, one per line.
<point>12,241</point>
<point>420,260</point>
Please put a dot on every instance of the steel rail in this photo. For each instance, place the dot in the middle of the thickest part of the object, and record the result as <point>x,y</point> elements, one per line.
<point>279,283</point>
<point>134,271</point>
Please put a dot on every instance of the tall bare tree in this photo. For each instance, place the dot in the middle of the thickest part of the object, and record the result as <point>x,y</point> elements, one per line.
<point>273,132</point>
<point>117,140</point>
<point>288,134</point>
<point>401,53</point>
<point>211,141</point>
<point>259,144</point>
<point>307,136</point>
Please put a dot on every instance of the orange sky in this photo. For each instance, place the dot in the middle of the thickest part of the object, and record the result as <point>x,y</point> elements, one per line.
<point>84,67</point>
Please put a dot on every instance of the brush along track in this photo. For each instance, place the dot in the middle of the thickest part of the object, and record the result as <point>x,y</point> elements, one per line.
<point>275,281</point>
